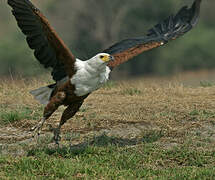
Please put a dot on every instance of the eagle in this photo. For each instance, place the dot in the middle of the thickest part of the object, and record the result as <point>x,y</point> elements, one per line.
<point>76,79</point>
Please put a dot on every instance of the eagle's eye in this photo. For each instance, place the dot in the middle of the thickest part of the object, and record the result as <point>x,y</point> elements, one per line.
<point>101,56</point>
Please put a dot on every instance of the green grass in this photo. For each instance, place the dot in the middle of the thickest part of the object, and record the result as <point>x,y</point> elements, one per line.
<point>206,84</point>
<point>109,85</point>
<point>131,91</point>
<point>110,161</point>
<point>202,114</point>
<point>12,116</point>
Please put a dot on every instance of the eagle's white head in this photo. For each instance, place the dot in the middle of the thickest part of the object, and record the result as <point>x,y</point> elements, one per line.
<point>100,61</point>
<point>102,58</point>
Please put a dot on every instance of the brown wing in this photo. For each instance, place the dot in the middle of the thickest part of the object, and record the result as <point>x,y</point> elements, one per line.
<point>48,48</point>
<point>170,29</point>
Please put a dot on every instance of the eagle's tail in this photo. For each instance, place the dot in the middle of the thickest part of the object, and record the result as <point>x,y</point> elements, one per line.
<point>43,94</point>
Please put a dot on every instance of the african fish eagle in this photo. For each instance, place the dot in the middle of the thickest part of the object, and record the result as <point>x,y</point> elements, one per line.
<point>76,79</point>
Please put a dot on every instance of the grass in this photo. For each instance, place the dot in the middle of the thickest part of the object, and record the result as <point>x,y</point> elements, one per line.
<point>9,117</point>
<point>206,83</point>
<point>112,162</point>
<point>131,91</point>
<point>148,128</point>
<point>109,85</point>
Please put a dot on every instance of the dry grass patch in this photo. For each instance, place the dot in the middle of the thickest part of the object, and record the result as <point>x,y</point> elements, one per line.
<point>170,107</point>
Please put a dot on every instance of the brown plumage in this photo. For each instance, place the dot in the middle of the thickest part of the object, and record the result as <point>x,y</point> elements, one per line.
<point>62,51</point>
<point>51,51</point>
<point>124,56</point>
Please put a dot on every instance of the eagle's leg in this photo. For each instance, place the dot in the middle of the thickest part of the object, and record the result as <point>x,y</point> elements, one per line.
<point>68,113</point>
<point>50,108</point>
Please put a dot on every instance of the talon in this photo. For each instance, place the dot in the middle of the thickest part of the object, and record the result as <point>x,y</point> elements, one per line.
<point>50,128</point>
<point>33,128</point>
<point>37,129</point>
<point>56,137</point>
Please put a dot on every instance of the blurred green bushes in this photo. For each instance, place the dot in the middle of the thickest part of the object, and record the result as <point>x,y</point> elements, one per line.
<point>90,26</point>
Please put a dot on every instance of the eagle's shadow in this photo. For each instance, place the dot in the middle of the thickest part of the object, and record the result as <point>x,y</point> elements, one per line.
<point>103,140</point>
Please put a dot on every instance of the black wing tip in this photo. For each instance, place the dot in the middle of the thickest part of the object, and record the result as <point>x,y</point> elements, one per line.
<point>26,3</point>
<point>177,25</point>
<point>196,9</point>
<point>190,15</point>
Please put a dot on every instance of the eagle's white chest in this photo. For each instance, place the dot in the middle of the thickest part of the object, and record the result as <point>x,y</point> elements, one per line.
<point>88,79</point>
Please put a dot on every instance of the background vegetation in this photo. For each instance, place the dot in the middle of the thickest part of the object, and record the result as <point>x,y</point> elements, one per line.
<point>89,26</point>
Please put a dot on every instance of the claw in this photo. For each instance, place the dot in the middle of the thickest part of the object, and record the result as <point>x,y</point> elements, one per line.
<point>37,129</point>
<point>56,138</point>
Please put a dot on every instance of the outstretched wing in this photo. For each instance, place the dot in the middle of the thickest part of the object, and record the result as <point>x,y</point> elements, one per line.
<point>48,48</point>
<point>169,29</point>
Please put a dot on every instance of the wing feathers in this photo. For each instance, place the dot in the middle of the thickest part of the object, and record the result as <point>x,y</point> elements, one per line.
<point>23,18</point>
<point>129,53</point>
<point>36,41</point>
<point>46,56</point>
<point>170,29</point>
<point>48,48</point>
